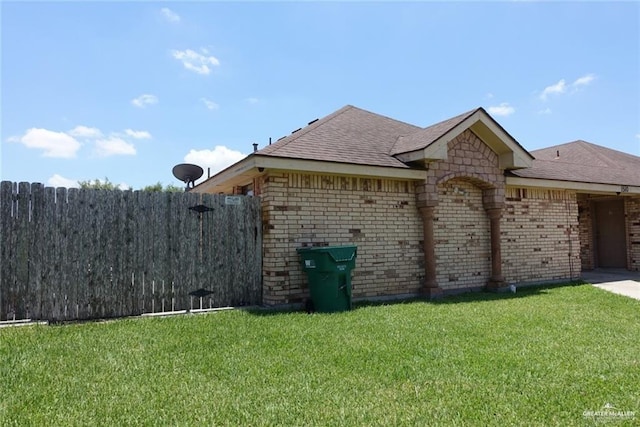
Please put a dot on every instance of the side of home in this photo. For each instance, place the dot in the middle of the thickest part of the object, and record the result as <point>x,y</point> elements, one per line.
<point>456,206</point>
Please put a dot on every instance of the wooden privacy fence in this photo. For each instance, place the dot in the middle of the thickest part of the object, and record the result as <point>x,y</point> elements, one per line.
<point>71,254</point>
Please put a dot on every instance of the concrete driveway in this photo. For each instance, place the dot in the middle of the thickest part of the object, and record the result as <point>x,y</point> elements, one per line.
<point>618,281</point>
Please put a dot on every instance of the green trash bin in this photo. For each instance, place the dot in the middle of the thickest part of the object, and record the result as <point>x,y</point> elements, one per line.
<point>329,271</point>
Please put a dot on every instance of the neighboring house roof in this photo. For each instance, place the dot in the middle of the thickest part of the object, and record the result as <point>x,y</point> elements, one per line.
<point>349,135</point>
<point>581,161</point>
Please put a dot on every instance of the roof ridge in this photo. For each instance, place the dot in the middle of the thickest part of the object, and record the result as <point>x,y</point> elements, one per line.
<point>597,153</point>
<point>600,148</point>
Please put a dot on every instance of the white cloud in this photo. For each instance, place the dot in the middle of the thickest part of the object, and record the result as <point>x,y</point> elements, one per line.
<point>138,134</point>
<point>504,109</point>
<point>217,159</point>
<point>584,80</point>
<point>53,144</point>
<point>170,15</point>
<point>143,100</point>
<point>194,61</point>
<point>253,101</point>
<point>60,181</point>
<point>559,87</point>
<point>85,132</point>
<point>545,111</point>
<point>210,104</point>
<point>489,95</point>
<point>114,146</point>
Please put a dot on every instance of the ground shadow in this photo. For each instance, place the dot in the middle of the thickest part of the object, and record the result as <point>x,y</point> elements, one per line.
<point>458,298</point>
<point>521,292</point>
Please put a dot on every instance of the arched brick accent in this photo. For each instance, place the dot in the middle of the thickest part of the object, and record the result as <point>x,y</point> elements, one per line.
<point>471,177</point>
<point>469,160</point>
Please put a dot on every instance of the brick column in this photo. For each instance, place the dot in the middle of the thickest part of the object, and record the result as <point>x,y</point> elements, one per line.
<point>431,289</point>
<point>496,281</point>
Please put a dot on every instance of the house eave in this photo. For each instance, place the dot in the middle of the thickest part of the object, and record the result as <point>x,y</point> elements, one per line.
<point>244,171</point>
<point>579,187</point>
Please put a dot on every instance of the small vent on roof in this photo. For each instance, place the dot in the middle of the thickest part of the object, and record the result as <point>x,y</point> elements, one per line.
<point>281,138</point>
<point>312,121</point>
<point>296,130</point>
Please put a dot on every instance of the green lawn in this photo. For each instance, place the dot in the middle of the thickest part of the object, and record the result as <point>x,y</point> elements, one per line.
<point>541,357</point>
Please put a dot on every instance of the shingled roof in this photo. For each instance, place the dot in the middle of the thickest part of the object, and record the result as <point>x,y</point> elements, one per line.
<point>355,136</point>
<point>349,135</point>
<point>581,161</point>
<point>359,142</point>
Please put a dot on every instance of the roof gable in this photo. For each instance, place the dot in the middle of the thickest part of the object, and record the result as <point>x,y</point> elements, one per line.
<point>424,137</point>
<point>430,143</point>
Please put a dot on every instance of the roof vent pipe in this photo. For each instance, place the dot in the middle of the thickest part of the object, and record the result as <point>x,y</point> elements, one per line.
<point>255,147</point>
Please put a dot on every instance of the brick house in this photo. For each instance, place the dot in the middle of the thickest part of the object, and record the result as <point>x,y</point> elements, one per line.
<point>452,207</point>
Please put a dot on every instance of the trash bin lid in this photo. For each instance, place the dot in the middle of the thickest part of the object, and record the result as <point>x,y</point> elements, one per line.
<point>337,253</point>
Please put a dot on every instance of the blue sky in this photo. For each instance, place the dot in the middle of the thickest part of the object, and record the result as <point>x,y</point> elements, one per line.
<point>127,90</point>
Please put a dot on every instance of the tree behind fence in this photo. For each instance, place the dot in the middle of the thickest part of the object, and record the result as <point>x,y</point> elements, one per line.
<point>81,254</point>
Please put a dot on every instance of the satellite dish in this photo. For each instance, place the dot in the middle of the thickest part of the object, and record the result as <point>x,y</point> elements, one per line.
<point>187,173</point>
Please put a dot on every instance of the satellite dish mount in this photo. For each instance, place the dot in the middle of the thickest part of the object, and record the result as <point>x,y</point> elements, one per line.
<point>188,174</point>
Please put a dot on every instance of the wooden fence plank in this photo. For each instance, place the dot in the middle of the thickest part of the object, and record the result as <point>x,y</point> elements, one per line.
<point>92,262</point>
<point>7,249</point>
<point>140,211</point>
<point>127,255</point>
<point>209,270</point>
<point>158,268</point>
<point>21,296</point>
<point>36,253</point>
<point>48,241</point>
<point>183,247</point>
<point>146,233</point>
<point>77,306</point>
<point>58,258</point>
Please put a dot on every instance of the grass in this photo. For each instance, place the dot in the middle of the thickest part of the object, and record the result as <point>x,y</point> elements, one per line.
<point>540,357</point>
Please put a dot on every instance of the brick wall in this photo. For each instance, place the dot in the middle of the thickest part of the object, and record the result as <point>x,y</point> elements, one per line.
<point>462,236</point>
<point>540,235</point>
<point>632,211</point>
<point>377,215</point>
